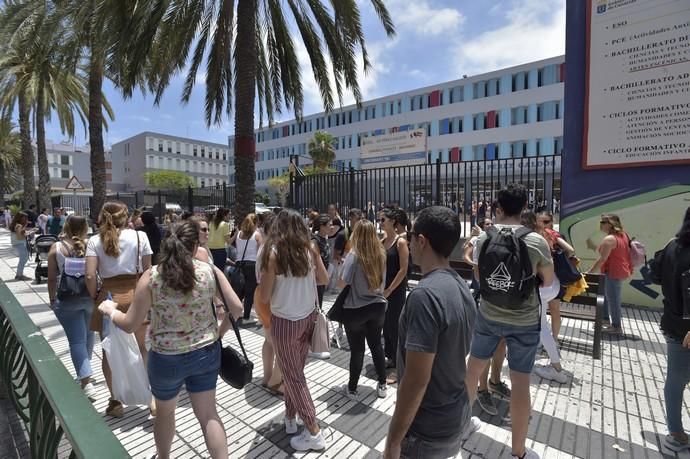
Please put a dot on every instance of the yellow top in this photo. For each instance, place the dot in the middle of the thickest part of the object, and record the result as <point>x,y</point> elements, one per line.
<point>216,236</point>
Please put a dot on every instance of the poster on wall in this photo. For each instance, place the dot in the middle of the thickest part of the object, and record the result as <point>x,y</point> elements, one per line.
<point>637,87</point>
<point>398,148</point>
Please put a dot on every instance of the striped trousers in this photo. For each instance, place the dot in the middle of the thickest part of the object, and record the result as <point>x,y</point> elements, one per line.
<point>291,340</point>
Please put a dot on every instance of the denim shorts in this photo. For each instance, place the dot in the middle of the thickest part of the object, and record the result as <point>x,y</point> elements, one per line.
<point>417,448</point>
<point>197,369</point>
<point>522,342</point>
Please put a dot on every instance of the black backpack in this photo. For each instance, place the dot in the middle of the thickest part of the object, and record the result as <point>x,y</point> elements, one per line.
<point>505,270</point>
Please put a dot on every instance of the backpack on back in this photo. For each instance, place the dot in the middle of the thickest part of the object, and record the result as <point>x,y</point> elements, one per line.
<point>638,253</point>
<point>505,270</point>
<point>72,281</point>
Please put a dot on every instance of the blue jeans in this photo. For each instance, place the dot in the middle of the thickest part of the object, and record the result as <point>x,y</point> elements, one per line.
<point>677,377</point>
<point>416,448</point>
<point>75,316</point>
<point>612,300</point>
<point>23,253</point>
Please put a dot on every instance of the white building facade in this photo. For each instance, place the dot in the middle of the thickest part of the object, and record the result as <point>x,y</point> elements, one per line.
<point>510,113</point>
<point>205,162</point>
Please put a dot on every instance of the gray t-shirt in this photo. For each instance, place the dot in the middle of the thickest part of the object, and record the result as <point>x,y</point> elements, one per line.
<point>540,255</point>
<point>360,293</point>
<point>438,317</point>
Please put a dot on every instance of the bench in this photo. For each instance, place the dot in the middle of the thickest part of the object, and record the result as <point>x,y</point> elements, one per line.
<point>589,306</point>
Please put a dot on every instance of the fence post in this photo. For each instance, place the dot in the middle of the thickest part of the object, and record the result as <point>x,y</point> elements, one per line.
<point>190,199</point>
<point>438,181</point>
<point>160,216</point>
<point>351,204</point>
<point>117,196</point>
<point>226,204</point>
<point>136,199</point>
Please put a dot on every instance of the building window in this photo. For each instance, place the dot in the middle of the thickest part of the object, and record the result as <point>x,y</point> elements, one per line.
<point>194,150</point>
<point>160,145</point>
<point>64,173</point>
<point>64,160</point>
<point>203,152</point>
<point>225,156</point>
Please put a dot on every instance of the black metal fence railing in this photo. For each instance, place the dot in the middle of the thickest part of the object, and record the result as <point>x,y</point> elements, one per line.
<point>462,186</point>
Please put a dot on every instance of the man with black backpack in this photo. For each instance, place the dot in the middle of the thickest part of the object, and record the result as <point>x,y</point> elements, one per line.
<point>512,261</point>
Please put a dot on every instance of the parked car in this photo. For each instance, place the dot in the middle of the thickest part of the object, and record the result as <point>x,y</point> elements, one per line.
<point>260,208</point>
<point>67,211</point>
<point>165,207</point>
<point>211,208</point>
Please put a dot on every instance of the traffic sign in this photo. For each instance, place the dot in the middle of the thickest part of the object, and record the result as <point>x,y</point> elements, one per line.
<point>74,184</point>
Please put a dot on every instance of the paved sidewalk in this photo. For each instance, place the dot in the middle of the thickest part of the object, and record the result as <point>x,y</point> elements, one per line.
<point>612,408</point>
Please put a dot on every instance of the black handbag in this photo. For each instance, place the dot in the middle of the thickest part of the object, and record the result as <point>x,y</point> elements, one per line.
<point>237,279</point>
<point>335,314</point>
<point>71,286</point>
<point>235,368</point>
<point>564,269</point>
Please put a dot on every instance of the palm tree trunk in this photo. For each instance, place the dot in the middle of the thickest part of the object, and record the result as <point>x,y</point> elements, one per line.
<point>245,86</point>
<point>27,152</point>
<point>2,181</point>
<point>44,189</point>
<point>98,178</point>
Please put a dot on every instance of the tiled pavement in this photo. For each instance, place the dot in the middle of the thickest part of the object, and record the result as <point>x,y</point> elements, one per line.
<point>612,408</point>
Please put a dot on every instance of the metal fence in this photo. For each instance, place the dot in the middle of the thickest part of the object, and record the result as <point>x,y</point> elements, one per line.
<point>413,187</point>
<point>196,200</point>
<point>44,394</point>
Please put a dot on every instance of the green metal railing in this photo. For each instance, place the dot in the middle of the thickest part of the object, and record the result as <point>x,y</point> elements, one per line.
<point>44,394</point>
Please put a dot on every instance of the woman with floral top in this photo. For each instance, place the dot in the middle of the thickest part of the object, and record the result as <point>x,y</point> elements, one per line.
<point>184,334</point>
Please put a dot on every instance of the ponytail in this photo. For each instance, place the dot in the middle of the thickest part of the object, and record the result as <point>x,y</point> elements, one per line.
<point>75,229</point>
<point>113,219</point>
<point>176,259</point>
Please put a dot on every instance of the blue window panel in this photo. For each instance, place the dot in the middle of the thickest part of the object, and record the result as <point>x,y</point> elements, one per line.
<point>532,78</point>
<point>532,113</point>
<point>546,146</point>
<point>561,109</point>
<point>491,151</point>
<point>467,153</point>
<point>506,84</point>
<point>404,127</point>
<point>504,150</point>
<point>468,92</point>
<point>504,117</point>
<point>444,126</point>
<point>468,123</point>
<point>532,147</point>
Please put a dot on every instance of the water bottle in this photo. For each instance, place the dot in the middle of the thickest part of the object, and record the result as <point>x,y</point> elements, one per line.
<point>106,320</point>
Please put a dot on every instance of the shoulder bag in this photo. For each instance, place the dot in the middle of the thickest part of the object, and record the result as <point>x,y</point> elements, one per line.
<point>336,312</point>
<point>235,369</point>
<point>320,339</point>
<point>237,279</point>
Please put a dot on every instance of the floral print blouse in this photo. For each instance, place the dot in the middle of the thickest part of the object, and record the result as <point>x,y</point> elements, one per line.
<point>182,323</point>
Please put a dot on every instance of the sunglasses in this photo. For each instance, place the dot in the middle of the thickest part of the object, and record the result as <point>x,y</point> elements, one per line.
<point>203,230</point>
<point>603,222</point>
<point>546,222</point>
<point>382,220</point>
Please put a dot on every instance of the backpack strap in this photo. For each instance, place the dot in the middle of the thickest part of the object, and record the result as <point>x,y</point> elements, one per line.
<point>491,232</point>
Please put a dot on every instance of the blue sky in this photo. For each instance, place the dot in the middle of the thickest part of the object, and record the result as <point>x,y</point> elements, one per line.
<point>437,41</point>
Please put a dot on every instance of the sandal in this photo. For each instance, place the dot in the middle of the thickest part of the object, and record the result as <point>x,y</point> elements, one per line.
<point>276,390</point>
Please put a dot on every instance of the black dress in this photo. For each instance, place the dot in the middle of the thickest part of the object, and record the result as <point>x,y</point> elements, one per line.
<point>396,301</point>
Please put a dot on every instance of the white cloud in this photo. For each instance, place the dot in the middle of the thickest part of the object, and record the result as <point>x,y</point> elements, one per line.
<point>142,118</point>
<point>534,30</point>
<point>422,18</point>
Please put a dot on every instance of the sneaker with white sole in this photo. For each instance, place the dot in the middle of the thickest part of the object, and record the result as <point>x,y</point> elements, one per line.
<point>550,373</point>
<point>486,402</point>
<point>474,425</point>
<point>382,390</point>
<point>499,389</point>
<point>308,442</point>
<point>528,454</point>
<point>351,394</point>
<point>290,425</point>
<point>90,392</point>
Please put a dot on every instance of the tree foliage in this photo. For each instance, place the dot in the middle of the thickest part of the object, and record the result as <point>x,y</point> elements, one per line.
<point>168,180</point>
<point>322,150</point>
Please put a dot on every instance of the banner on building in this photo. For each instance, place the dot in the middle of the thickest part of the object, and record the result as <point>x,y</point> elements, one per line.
<point>398,148</point>
<point>637,94</point>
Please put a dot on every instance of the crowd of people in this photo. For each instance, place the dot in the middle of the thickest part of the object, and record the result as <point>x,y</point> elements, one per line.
<point>444,341</point>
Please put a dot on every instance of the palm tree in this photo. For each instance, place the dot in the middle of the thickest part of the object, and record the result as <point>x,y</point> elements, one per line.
<point>40,66</point>
<point>10,157</point>
<point>321,150</point>
<point>250,54</point>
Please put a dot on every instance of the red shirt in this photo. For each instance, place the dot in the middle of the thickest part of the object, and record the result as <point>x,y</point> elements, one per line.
<point>617,265</point>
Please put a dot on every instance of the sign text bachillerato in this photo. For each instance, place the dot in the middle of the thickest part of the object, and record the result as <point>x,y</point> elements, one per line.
<point>637,107</point>
<point>398,148</point>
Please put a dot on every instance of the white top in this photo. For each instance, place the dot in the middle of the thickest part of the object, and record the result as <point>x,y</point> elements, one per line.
<point>251,244</point>
<point>294,298</point>
<point>126,263</point>
<point>42,221</point>
<point>74,267</point>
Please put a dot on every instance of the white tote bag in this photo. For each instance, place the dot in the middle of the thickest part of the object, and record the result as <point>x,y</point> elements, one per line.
<point>130,381</point>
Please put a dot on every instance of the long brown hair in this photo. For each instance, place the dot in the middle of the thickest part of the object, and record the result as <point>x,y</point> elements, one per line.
<point>75,229</point>
<point>614,221</point>
<point>219,217</point>
<point>370,253</point>
<point>20,218</point>
<point>176,258</point>
<point>113,219</point>
<point>248,225</point>
<point>289,236</point>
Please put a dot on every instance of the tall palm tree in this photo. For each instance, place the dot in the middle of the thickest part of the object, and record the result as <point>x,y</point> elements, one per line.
<point>41,65</point>
<point>10,157</point>
<point>250,54</point>
<point>321,150</point>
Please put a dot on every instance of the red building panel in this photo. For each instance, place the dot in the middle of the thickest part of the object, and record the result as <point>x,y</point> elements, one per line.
<point>455,155</point>
<point>491,119</point>
<point>435,99</point>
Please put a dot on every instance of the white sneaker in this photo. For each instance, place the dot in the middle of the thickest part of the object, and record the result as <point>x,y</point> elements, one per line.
<point>320,355</point>
<point>306,441</point>
<point>474,425</point>
<point>549,372</point>
<point>382,390</point>
<point>529,454</point>
<point>290,425</point>
<point>90,392</point>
